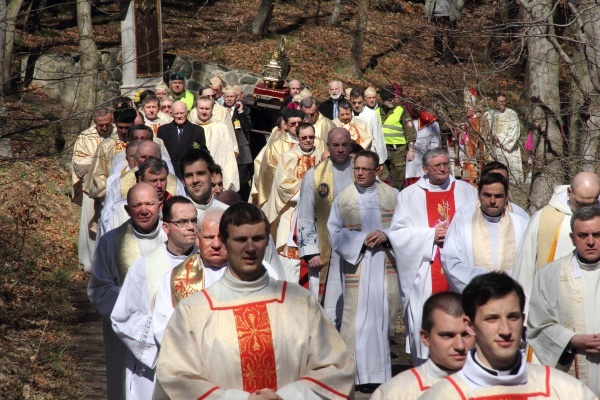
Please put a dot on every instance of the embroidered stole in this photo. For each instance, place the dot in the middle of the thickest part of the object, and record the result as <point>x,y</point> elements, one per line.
<point>482,247</point>
<point>440,208</point>
<point>572,312</point>
<point>127,249</point>
<point>549,230</point>
<point>187,278</point>
<point>157,264</point>
<point>350,215</point>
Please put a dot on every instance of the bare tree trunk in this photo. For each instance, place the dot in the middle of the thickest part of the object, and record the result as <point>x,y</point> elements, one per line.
<point>14,6</point>
<point>85,100</point>
<point>542,86</point>
<point>356,53</point>
<point>335,15</point>
<point>260,26</point>
<point>3,29</point>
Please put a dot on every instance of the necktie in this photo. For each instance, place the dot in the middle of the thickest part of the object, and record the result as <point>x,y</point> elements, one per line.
<point>179,133</point>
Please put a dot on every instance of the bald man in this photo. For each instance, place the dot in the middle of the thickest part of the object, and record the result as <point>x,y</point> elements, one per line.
<point>181,136</point>
<point>115,253</point>
<point>547,236</point>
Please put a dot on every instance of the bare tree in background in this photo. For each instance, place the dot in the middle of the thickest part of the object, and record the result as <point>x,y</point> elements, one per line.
<point>86,91</point>
<point>335,15</point>
<point>8,27</point>
<point>260,26</point>
<point>356,53</point>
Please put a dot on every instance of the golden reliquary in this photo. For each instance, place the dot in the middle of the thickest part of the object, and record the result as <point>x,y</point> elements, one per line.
<point>277,68</point>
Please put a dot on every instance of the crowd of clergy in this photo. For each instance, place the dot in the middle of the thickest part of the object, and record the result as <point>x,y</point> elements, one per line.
<point>223,274</point>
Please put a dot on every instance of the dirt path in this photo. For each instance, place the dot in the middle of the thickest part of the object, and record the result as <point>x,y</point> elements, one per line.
<point>87,345</point>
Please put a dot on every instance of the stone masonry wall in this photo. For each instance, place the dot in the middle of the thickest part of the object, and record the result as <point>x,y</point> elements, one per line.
<point>57,74</point>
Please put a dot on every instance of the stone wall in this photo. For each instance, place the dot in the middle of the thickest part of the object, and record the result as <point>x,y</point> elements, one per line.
<point>56,74</point>
<point>197,74</point>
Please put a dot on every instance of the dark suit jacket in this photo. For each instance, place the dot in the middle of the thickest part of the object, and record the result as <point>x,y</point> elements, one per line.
<point>326,107</point>
<point>243,127</point>
<point>191,138</point>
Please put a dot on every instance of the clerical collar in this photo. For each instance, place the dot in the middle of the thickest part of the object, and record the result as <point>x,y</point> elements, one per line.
<point>477,376</point>
<point>203,206</point>
<point>443,186</point>
<point>489,218</point>
<point>510,371</point>
<point>341,167</point>
<point>587,266</point>
<point>306,153</point>
<point>292,138</point>
<point>188,253</point>
<point>152,121</point>
<point>155,232</point>
<point>244,286</point>
<point>370,189</point>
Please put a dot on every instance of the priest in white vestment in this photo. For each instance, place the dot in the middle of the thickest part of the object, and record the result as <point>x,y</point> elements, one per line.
<point>197,179</point>
<point>280,208</point>
<point>319,187</point>
<point>198,271</point>
<point>359,131</point>
<point>321,123</point>
<point>152,116</point>
<point>218,143</point>
<point>250,334</point>
<point>139,133</point>
<point>358,226</point>
<point>445,332</point>
<point>372,119</point>
<point>417,233</point>
<point>563,323</point>
<point>547,237</point>
<point>115,253</point>
<point>220,114</point>
<point>496,368</point>
<point>498,167</point>
<point>154,172</point>
<point>132,314</point>
<point>95,186</point>
<point>83,153</point>
<point>485,239</point>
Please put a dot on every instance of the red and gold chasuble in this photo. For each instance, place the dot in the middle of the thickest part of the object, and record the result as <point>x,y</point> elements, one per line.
<point>440,209</point>
<point>255,340</point>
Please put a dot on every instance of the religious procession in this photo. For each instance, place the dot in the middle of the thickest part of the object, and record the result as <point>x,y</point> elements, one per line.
<point>265,246</point>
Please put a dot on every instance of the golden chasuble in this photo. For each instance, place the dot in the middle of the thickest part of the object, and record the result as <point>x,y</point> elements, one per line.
<point>127,248</point>
<point>482,248</point>
<point>323,181</point>
<point>187,278</point>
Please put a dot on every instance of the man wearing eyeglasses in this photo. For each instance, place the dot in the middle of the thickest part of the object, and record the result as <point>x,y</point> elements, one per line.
<point>358,226</point>
<point>275,150</point>
<point>132,314</point>
<point>115,253</point>
<point>417,232</point>
<point>280,208</point>
<point>180,136</point>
